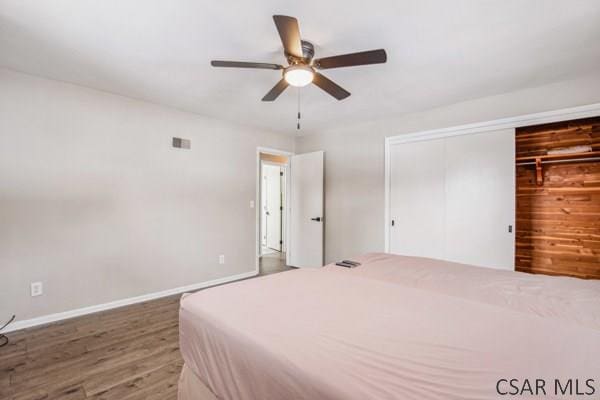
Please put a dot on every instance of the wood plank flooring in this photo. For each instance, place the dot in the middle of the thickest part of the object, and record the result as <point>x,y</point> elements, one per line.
<point>129,353</point>
<point>273,262</point>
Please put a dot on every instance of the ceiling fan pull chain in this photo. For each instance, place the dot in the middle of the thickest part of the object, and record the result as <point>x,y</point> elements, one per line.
<point>298,124</point>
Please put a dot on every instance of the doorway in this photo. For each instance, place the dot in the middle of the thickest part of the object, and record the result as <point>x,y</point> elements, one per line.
<point>273,211</point>
<point>289,210</point>
<point>273,202</point>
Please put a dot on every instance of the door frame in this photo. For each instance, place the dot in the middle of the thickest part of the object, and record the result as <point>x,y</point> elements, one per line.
<point>586,111</point>
<point>257,204</point>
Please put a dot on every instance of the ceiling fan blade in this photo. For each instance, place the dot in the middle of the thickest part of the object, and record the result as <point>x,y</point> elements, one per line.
<point>290,34</point>
<point>276,91</point>
<point>352,59</point>
<point>243,64</point>
<point>330,86</point>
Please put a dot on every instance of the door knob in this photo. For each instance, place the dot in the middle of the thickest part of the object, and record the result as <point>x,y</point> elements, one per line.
<point>318,219</point>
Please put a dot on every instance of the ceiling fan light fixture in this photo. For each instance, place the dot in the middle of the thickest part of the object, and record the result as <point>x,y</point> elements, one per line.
<point>299,75</point>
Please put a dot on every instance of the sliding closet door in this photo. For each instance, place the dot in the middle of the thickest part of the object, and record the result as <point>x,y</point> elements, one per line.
<point>480,199</point>
<point>417,199</point>
<point>454,199</point>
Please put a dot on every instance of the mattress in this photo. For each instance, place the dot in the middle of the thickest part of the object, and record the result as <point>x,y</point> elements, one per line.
<point>393,328</point>
<point>570,299</point>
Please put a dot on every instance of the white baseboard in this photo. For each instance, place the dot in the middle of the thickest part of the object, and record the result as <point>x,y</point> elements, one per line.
<point>46,319</point>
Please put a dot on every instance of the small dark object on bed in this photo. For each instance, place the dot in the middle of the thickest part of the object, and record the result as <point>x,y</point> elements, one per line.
<point>355,263</point>
<point>344,264</point>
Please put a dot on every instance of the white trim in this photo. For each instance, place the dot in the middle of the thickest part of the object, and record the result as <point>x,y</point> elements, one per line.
<point>288,208</point>
<point>387,169</point>
<point>46,319</point>
<point>546,117</point>
<point>276,152</point>
<point>285,224</point>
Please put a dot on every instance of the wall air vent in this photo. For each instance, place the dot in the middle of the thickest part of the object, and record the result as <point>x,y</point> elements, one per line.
<point>180,143</point>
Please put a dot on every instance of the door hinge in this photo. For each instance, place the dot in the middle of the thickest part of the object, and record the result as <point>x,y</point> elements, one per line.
<point>280,173</point>
<point>281,208</point>
<point>281,242</point>
<point>393,222</point>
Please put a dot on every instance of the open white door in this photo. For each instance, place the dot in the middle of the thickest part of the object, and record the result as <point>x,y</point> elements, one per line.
<point>306,209</point>
<point>273,204</point>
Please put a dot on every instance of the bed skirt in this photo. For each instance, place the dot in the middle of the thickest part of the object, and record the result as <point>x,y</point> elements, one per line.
<point>192,388</point>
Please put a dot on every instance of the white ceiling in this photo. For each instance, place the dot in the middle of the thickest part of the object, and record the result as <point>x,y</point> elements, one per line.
<point>439,52</point>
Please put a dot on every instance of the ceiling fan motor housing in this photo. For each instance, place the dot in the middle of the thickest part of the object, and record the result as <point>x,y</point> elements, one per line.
<point>308,50</point>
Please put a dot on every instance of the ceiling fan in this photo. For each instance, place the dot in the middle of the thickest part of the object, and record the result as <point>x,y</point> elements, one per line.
<point>302,68</point>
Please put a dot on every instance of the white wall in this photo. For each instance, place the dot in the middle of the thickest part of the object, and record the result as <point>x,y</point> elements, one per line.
<point>354,156</point>
<point>96,204</point>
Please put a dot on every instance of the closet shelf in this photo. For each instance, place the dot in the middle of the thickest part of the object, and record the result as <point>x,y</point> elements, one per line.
<point>553,157</point>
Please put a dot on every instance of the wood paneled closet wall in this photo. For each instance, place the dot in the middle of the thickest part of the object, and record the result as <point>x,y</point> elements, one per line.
<point>558,199</point>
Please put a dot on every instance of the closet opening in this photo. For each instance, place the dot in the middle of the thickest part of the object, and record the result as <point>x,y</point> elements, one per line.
<point>558,198</point>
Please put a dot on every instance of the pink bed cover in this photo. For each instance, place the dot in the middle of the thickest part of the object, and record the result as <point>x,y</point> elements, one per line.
<point>394,328</point>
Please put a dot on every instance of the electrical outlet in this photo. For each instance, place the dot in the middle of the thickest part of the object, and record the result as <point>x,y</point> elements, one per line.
<point>222,259</point>
<point>37,289</point>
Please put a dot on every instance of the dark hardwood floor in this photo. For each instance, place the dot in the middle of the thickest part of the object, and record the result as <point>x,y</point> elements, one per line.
<point>129,353</point>
<point>273,262</point>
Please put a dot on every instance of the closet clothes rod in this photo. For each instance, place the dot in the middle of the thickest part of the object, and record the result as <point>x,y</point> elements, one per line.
<point>589,159</point>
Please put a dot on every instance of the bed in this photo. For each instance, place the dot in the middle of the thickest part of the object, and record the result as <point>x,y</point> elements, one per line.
<point>394,328</point>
